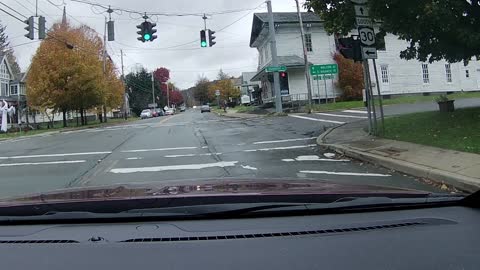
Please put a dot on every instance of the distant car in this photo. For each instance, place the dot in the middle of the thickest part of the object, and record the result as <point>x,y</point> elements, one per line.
<point>183,108</point>
<point>159,112</point>
<point>146,114</point>
<point>170,111</point>
<point>205,108</point>
<point>154,113</point>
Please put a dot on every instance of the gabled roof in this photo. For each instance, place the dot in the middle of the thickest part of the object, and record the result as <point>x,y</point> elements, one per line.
<point>3,57</point>
<point>260,20</point>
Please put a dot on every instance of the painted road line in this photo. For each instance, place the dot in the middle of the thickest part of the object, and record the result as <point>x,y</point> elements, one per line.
<point>355,111</point>
<point>134,158</point>
<point>281,148</point>
<point>346,173</point>
<point>314,158</point>
<point>159,149</point>
<point>175,167</point>
<point>59,155</point>
<point>316,119</point>
<point>193,155</point>
<point>43,163</point>
<point>344,116</point>
<point>287,140</point>
<point>249,167</point>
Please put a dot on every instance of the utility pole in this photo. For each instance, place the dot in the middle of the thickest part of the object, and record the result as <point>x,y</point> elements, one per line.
<point>153,89</point>
<point>168,96</point>
<point>105,66</point>
<point>305,57</point>
<point>273,49</point>
<point>125,100</point>
<point>380,99</point>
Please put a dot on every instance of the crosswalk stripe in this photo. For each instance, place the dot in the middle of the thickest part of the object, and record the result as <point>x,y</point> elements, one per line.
<point>355,111</point>
<point>340,115</point>
<point>316,119</point>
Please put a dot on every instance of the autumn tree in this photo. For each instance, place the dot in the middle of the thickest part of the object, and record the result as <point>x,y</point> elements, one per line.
<point>228,91</point>
<point>161,75</point>
<point>350,78</point>
<point>434,30</point>
<point>66,72</point>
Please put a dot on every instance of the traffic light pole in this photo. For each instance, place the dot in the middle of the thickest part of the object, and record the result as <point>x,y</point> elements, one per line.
<point>305,57</point>
<point>273,49</point>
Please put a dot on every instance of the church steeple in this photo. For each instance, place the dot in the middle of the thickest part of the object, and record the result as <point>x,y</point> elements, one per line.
<point>64,17</point>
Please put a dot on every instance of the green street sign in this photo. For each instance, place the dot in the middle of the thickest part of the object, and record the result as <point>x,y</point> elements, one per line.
<point>276,69</point>
<point>324,69</point>
<point>323,77</point>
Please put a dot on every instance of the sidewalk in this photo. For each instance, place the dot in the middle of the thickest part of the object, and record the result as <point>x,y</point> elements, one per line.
<point>459,169</point>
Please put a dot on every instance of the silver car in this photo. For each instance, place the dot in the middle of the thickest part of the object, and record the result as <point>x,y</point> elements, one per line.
<point>146,114</point>
<point>205,108</point>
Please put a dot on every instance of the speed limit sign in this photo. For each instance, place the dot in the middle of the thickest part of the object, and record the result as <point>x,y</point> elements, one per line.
<point>367,36</point>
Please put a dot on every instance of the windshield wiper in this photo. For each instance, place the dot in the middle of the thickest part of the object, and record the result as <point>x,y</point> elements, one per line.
<point>238,209</point>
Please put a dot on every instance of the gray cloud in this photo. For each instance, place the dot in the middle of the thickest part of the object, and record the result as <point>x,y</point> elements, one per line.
<point>231,53</point>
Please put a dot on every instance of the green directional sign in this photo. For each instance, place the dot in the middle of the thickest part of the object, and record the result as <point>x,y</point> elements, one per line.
<point>324,69</point>
<point>276,69</point>
<point>323,77</point>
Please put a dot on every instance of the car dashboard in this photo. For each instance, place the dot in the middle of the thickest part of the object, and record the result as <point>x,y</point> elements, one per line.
<point>430,238</point>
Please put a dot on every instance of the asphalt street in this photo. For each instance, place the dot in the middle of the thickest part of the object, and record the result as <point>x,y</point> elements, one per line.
<point>187,146</point>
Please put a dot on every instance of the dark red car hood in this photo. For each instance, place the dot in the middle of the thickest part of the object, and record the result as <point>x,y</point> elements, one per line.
<point>207,188</point>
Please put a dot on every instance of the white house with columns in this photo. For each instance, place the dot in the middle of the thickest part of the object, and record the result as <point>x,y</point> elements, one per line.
<point>396,76</point>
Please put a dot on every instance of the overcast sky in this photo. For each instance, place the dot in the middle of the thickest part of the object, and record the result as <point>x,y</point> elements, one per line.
<point>231,53</point>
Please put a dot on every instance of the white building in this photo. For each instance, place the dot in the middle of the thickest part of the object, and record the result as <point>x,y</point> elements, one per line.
<point>397,76</point>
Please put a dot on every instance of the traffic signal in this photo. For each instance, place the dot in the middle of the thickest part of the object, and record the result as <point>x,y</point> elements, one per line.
<point>203,39</point>
<point>111,30</point>
<point>41,27</point>
<point>211,37</point>
<point>350,48</point>
<point>150,31</point>
<point>141,32</point>
<point>30,28</point>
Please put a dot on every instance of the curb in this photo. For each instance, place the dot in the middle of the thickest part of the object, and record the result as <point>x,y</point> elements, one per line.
<point>460,182</point>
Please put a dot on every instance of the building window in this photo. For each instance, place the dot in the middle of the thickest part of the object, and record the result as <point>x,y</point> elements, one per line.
<point>4,90</point>
<point>448,73</point>
<point>308,42</point>
<point>425,74</point>
<point>467,73</point>
<point>384,70</point>
<point>13,89</point>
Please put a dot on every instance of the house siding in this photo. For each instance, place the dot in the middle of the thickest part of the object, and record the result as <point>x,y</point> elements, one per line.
<point>404,76</point>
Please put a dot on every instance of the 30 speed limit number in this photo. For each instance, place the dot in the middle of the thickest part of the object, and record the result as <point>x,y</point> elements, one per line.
<point>367,36</point>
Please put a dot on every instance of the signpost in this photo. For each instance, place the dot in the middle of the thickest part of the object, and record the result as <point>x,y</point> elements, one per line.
<point>323,72</point>
<point>276,69</point>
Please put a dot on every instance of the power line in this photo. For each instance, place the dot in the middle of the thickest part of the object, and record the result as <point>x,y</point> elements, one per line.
<point>168,14</point>
<point>13,10</point>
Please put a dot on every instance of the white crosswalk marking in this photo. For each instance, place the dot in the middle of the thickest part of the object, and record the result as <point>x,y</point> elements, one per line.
<point>316,119</point>
<point>344,116</point>
<point>355,111</point>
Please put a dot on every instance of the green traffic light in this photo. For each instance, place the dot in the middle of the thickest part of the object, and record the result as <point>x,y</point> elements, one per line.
<point>204,44</point>
<point>147,36</point>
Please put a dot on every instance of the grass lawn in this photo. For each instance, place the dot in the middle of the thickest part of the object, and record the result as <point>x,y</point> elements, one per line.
<point>244,109</point>
<point>59,126</point>
<point>459,130</point>
<point>343,105</point>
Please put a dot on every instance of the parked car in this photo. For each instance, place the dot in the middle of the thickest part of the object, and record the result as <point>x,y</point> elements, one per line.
<point>159,112</point>
<point>183,108</point>
<point>146,114</point>
<point>205,108</point>
<point>170,111</point>
<point>154,113</point>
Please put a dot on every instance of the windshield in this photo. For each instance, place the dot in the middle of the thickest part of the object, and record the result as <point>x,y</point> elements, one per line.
<point>220,98</point>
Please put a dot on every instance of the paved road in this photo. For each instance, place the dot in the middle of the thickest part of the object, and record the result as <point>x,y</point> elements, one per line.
<point>188,146</point>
